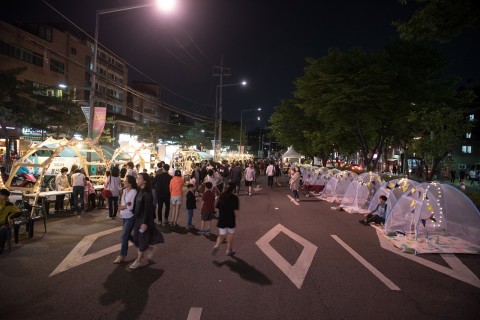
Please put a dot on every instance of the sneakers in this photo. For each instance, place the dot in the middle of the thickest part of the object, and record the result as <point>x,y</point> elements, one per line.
<point>250,194</point>
<point>191,226</point>
<point>214,250</point>
<point>200,231</point>
<point>150,252</point>
<point>137,264</point>
<point>230,252</point>
<point>119,259</point>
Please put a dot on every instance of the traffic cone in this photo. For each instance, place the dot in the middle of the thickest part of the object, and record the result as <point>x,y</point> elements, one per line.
<point>462,185</point>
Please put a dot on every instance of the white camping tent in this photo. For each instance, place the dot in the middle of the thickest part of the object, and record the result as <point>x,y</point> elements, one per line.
<point>291,156</point>
<point>393,190</point>
<point>337,185</point>
<point>360,192</point>
<point>434,210</point>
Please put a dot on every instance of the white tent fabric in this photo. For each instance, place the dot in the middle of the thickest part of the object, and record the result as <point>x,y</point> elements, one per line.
<point>361,192</point>
<point>433,210</point>
<point>291,155</point>
<point>393,190</point>
<point>337,185</point>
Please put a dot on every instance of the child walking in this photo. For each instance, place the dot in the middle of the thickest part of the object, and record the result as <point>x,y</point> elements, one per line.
<point>208,208</point>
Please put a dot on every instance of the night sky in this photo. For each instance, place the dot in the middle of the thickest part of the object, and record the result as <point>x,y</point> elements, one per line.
<point>263,42</point>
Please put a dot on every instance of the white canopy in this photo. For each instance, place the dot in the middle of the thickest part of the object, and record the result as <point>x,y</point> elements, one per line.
<point>291,154</point>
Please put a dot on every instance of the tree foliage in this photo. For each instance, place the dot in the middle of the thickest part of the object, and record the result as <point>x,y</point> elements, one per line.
<point>439,20</point>
<point>363,102</point>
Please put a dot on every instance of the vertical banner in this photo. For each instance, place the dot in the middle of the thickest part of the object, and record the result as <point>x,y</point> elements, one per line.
<point>99,119</point>
<point>86,113</point>
<point>242,149</point>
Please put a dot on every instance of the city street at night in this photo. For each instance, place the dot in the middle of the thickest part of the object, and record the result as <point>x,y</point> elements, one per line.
<point>293,260</point>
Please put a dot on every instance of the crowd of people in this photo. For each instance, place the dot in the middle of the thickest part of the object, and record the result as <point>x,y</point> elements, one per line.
<point>144,200</point>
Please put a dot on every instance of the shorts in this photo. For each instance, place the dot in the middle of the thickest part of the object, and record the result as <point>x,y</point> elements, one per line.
<point>176,199</point>
<point>207,216</point>
<point>248,183</point>
<point>223,231</point>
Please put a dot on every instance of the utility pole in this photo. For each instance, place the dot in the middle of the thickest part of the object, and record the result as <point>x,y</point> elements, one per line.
<point>219,71</point>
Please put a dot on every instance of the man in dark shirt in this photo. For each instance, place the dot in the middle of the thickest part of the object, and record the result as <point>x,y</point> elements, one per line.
<point>236,176</point>
<point>161,183</point>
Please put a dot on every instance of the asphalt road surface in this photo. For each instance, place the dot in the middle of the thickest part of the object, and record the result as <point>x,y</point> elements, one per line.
<point>293,261</point>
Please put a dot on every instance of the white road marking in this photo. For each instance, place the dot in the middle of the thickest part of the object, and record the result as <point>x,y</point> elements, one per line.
<point>77,256</point>
<point>257,188</point>
<point>366,264</point>
<point>458,270</point>
<point>291,199</point>
<point>194,314</point>
<point>298,271</point>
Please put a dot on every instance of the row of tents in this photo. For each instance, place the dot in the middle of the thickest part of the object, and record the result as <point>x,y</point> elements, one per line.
<point>422,209</point>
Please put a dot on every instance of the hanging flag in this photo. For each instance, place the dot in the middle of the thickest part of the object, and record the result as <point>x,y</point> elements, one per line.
<point>396,185</point>
<point>412,204</point>
<point>99,118</point>
<point>423,221</point>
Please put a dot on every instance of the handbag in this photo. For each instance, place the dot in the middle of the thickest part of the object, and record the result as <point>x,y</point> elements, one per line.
<point>107,193</point>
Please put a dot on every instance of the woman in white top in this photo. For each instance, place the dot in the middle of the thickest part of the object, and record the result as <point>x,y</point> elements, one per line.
<point>113,184</point>
<point>78,185</point>
<point>126,213</point>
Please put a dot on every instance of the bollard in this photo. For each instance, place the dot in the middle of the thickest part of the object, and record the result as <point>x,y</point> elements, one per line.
<point>462,185</point>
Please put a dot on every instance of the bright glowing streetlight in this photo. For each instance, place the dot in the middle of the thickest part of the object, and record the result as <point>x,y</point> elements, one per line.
<point>166,6</point>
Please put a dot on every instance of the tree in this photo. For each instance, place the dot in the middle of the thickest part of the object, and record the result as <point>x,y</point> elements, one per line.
<point>292,127</point>
<point>440,20</point>
<point>349,93</point>
<point>440,128</point>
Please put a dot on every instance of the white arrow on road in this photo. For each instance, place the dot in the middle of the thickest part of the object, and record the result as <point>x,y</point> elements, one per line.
<point>457,269</point>
<point>298,271</point>
<point>257,188</point>
<point>77,256</point>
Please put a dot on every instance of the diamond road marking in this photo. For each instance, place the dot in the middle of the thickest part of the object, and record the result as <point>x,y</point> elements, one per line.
<point>77,256</point>
<point>194,313</point>
<point>298,271</point>
<point>458,270</point>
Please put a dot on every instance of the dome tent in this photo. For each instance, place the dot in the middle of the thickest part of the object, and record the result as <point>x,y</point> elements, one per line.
<point>393,190</point>
<point>291,156</point>
<point>360,192</point>
<point>440,212</point>
<point>337,185</point>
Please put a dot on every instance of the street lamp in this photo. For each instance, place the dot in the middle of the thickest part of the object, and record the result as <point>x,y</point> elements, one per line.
<point>241,124</point>
<point>220,117</point>
<point>163,5</point>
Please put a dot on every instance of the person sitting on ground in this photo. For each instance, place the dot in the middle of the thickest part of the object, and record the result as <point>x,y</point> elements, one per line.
<point>7,209</point>
<point>378,214</point>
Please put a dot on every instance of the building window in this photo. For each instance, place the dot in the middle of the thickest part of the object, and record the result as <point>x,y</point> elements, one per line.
<point>21,54</point>
<point>468,135</point>
<point>73,51</point>
<point>471,117</point>
<point>43,31</point>
<point>466,149</point>
<point>57,66</point>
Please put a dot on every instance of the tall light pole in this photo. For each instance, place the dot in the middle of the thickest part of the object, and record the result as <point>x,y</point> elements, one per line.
<point>164,5</point>
<point>241,125</point>
<point>218,106</point>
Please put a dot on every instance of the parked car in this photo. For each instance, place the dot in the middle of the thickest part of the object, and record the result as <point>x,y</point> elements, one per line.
<point>473,172</point>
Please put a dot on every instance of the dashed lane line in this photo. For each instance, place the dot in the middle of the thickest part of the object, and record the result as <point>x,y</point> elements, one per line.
<point>292,200</point>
